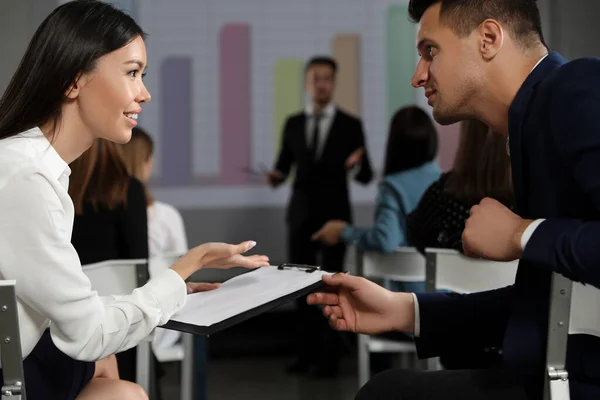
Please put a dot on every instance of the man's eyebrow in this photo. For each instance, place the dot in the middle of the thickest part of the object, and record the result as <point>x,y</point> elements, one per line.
<point>423,42</point>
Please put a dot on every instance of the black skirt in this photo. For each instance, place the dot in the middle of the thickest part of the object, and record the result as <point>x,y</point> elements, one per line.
<point>51,374</point>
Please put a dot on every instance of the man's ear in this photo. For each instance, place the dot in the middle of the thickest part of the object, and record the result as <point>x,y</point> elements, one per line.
<point>491,38</point>
<point>73,90</point>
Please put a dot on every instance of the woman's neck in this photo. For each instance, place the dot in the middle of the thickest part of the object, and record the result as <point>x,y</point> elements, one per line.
<point>70,139</point>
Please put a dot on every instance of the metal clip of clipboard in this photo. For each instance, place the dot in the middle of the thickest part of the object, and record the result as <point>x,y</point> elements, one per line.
<point>300,267</point>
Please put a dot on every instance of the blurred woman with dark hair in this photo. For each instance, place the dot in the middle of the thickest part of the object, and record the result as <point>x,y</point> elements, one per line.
<point>408,170</point>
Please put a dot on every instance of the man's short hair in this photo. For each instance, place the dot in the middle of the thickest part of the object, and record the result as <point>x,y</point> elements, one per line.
<point>521,17</point>
<point>321,60</point>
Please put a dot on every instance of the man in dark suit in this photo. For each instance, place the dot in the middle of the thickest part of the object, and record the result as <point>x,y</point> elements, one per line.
<point>326,146</point>
<point>487,60</point>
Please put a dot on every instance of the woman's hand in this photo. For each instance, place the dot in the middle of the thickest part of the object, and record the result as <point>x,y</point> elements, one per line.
<point>218,255</point>
<point>195,287</point>
<point>331,232</point>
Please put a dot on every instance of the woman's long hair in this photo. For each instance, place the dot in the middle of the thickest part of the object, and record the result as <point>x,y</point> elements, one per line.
<point>99,178</point>
<point>136,153</point>
<point>412,140</point>
<point>481,166</point>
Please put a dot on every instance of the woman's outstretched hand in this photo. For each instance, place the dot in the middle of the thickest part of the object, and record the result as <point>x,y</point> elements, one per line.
<point>218,255</point>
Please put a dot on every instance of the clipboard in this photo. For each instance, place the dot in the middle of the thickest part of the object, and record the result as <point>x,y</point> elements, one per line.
<point>252,293</point>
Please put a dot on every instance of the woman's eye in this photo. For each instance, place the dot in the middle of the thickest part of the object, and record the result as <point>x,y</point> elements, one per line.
<point>135,73</point>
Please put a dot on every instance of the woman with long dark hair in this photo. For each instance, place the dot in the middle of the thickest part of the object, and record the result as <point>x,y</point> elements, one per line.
<point>80,80</point>
<point>409,168</point>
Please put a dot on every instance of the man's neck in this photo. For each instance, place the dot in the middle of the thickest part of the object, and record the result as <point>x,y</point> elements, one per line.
<point>500,94</point>
<point>318,108</point>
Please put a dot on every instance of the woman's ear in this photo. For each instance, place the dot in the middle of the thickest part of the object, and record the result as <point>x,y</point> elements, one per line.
<point>73,91</point>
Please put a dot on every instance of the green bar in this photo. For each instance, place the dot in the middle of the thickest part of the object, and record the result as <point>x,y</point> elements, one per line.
<point>288,94</point>
<point>401,58</point>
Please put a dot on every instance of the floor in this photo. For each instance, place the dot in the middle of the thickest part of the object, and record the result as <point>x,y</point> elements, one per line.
<point>247,362</point>
<point>264,378</point>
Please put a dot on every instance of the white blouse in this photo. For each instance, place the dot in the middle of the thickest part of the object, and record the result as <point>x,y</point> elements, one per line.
<point>36,221</point>
<point>166,232</point>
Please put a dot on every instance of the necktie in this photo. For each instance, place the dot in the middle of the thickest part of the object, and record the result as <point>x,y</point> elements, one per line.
<point>314,144</point>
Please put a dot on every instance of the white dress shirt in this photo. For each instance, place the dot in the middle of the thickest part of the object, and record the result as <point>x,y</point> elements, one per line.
<point>327,116</point>
<point>52,291</point>
<point>524,239</point>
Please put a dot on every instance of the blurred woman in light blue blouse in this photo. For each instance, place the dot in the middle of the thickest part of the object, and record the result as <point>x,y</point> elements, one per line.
<point>409,170</point>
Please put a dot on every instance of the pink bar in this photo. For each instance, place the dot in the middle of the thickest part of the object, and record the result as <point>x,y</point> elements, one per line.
<point>234,67</point>
<point>449,137</point>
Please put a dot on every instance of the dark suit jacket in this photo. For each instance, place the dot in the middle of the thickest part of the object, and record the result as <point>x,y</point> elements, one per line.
<point>321,188</point>
<point>554,130</point>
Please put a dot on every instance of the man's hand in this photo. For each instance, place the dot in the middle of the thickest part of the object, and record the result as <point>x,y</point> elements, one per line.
<point>273,178</point>
<point>330,232</point>
<point>493,232</point>
<point>355,157</point>
<point>358,305</point>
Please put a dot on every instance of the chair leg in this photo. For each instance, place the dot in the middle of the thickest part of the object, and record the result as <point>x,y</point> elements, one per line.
<point>416,363</point>
<point>143,365</point>
<point>364,367</point>
<point>187,366</point>
<point>559,390</point>
<point>433,364</point>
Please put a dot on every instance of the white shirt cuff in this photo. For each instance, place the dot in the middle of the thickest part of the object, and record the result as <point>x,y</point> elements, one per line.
<point>417,328</point>
<point>529,232</point>
<point>170,292</point>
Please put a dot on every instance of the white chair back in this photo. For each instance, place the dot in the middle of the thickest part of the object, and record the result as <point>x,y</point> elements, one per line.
<point>116,277</point>
<point>404,264</point>
<point>10,344</point>
<point>158,264</point>
<point>462,274</point>
<point>585,316</point>
<point>458,273</point>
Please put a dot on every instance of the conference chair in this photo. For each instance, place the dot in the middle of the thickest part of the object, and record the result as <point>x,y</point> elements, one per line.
<point>10,344</point>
